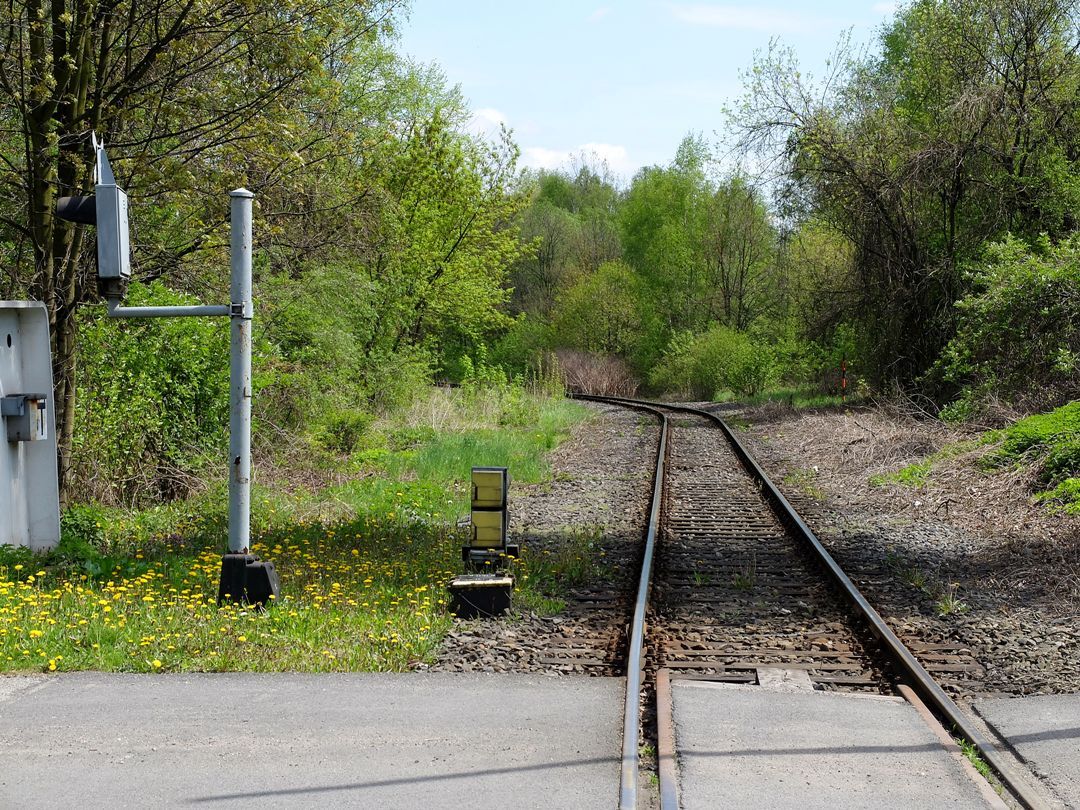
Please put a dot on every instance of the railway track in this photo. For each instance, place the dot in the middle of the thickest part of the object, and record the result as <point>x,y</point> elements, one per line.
<point>735,587</point>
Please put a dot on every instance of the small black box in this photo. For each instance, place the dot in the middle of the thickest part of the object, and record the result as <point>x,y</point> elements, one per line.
<point>476,596</point>
<point>246,579</point>
<point>262,583</point>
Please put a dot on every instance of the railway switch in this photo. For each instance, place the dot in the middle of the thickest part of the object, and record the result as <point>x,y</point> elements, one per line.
<point>484,590</point>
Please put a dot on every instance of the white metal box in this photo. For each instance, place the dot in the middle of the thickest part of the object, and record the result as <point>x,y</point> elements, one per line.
<point>29,487</point>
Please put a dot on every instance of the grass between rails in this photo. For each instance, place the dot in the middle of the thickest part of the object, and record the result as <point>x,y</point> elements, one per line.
<point>362,590</point>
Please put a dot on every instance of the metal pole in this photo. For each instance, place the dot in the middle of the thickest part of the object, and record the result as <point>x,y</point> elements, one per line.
<point>241,312</point>
<point>117,311</point>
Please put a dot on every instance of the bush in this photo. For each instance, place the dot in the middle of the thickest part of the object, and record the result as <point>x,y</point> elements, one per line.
<point>152,405</point>
<point>598,374</point>
<point>721,359</point>
<point>1019,330</point>
<point>601,313</point>
<point>1052,441</point>
<point>520,350</point>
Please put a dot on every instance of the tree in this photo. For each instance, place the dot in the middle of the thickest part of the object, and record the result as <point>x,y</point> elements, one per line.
<point>600,313</point>
<point>183,91</point>
<point>738,251</point>
<point>963,128</point>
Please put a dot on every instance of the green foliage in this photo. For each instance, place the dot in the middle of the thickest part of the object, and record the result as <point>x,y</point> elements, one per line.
<point>960,129</point>
<point>1019,329</point>
<point>520,349</point>
<point>153,401</point>
<point>344,430</point>
<point>1052,442</point>
<point>717,360</point>
<point>600,313</point>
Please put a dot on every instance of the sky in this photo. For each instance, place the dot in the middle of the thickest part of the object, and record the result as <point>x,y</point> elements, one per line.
<point>622,81</point>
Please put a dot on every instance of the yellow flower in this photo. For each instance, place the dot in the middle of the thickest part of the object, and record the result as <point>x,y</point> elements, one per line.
<point>155,664</point>
<point>241,638</point>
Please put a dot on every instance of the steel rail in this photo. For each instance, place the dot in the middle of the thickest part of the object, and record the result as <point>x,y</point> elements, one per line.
<point>630,773</point>
<point>923,683</point>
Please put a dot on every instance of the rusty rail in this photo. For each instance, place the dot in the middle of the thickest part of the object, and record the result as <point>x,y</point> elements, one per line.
<point>922,682</point>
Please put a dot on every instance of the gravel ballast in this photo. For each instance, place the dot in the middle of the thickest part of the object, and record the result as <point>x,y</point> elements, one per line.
<point>600,485</point>
<point>965,558</point>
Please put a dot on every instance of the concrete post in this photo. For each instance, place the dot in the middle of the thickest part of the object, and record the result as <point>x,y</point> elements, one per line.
<point>241,313</point>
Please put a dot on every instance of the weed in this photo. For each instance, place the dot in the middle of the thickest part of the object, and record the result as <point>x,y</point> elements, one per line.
<point>948,602</point>
<point>746,577</point>
<point>916,475</point>
<point>973,756</point>
<point>803,479</point>
<point>915,578</point>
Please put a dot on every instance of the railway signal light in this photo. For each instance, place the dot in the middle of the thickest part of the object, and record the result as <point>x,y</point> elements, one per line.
<point>107,210</point>
<point>485,590</point>
<point>243,577</point>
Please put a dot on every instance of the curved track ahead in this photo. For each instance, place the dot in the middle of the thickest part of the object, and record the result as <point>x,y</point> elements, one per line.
<point>731,540</point>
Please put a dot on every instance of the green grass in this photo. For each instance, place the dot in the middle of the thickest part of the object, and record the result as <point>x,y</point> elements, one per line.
<point>797,398</point>
<point>1050,441</point>
<point>916,475</point>
<point>364,565</point>
<point>980,764</point>
<point>803,479</point>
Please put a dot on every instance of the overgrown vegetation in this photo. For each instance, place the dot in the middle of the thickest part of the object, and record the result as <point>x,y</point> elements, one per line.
<point>366,563</point>
<point>1051,442</point>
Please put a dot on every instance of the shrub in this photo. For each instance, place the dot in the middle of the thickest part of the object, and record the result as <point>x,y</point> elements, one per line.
<point>152,403</point>
<point>598,374</point>
<point>1052,441</point>
<point>715,361</point>
<point>601,313</point>
<point>1019,330</point>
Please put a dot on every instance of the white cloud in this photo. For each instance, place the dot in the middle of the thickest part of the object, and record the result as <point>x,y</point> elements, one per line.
<point>615,156</point>
<point>486,123</point>
<point>599,14</point>
<point>744,18</point>
<point>537,157</point>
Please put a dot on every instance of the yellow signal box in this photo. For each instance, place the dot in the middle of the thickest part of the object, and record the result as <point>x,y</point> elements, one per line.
<point>486,590</point>
<point>489,487</point>
<point>488,547</point>
<point>489,529</point>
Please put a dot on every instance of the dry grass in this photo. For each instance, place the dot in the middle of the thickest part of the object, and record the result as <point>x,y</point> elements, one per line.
<point>848,450</point>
